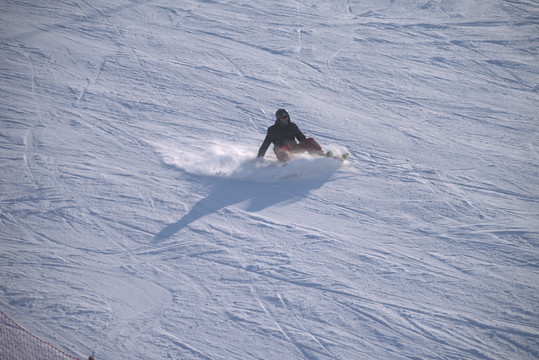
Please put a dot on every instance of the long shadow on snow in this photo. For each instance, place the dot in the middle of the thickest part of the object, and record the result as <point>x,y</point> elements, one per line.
<point>260,196</point>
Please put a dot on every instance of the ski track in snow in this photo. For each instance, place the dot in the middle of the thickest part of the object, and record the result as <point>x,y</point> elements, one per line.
<point>136,223</point>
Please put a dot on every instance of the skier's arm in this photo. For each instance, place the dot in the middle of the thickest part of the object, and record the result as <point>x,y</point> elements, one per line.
<point>265,146</point>
<point>299,135</point>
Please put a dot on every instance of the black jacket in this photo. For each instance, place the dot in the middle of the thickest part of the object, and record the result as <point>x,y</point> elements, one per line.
<point>281,134</point>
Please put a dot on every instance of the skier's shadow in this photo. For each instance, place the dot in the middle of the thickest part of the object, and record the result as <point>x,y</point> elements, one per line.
<point>229,192</point>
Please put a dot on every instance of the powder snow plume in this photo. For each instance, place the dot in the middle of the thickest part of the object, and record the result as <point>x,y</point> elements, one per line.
<point>238,162</point>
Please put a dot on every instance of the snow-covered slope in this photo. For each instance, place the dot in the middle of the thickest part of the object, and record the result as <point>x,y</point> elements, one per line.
<point>136,225</point>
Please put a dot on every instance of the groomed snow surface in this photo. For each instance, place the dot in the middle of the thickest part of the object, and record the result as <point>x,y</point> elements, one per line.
<point>135,223</point>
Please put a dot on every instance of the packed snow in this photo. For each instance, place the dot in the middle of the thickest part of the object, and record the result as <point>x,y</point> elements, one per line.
<point>136,223</point>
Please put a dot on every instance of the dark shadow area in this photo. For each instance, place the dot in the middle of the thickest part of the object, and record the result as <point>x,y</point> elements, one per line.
<point>226,192</point>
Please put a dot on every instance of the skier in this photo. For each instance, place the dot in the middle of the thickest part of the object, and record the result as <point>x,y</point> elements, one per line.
<point>283,135</point>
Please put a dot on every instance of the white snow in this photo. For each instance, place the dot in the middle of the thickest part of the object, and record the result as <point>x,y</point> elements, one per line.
<point>135,223</point>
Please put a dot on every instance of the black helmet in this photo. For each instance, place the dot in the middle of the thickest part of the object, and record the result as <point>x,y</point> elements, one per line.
<point>281,113</point>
